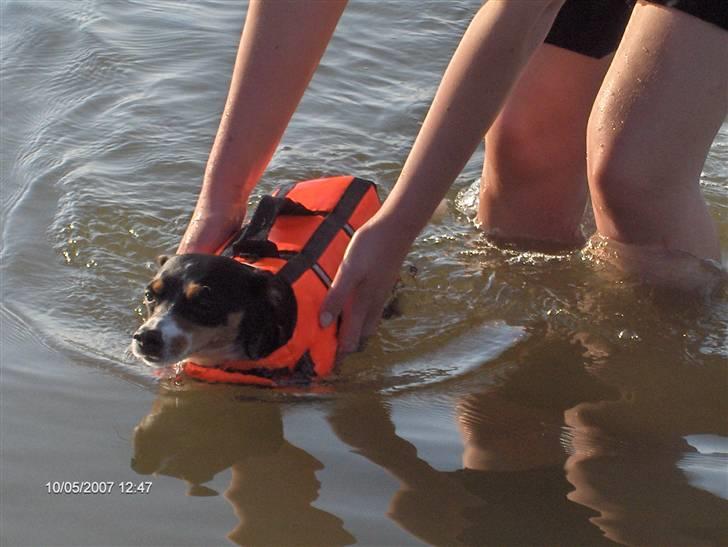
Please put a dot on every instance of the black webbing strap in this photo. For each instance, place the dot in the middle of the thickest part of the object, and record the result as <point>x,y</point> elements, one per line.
<point>234,238</point>
<point>326,232</point>
<point>302,373</point>
<point>253,240</point>
<point>305,368</point>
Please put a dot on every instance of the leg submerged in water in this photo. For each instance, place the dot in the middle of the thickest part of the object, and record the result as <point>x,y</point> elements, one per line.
<point>657,113</point>
<point>534,174</point>
<point>534,188</point>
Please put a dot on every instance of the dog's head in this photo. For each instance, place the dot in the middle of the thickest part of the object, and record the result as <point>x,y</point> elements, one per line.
<point>212,309</point>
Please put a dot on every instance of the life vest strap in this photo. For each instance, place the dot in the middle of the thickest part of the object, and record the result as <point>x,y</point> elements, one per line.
<point>252,239</point>
<point>335,221</point>
<point>253,243</point>
<point>254,249</point>
<point>301,374</point>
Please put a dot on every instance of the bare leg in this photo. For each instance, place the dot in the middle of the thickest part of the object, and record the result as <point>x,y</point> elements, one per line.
<point>652,125</point>
<point>534,176</point>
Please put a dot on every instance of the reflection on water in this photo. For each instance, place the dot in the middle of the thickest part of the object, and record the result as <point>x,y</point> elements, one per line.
<point>571,443</point>
<point>520,398</point>
<point>195,435</point>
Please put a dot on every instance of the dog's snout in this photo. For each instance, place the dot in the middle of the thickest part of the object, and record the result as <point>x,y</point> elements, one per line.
<point>149,341</point>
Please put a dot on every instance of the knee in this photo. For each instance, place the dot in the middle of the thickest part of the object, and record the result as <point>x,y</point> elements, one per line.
<point>509,139</point>
<point>526,148</point>
<point>620,186</point>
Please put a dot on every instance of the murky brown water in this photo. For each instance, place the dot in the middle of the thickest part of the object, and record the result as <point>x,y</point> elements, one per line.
<point>520,399</point>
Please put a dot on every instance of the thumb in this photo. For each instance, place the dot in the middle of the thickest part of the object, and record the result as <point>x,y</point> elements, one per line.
<point>336,298</point>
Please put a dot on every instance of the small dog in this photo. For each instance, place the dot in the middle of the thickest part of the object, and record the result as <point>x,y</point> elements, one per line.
<point>212,309</point>
<point>251,314</point>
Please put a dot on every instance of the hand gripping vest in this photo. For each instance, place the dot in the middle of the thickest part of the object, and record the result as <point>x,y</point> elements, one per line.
<point>299,233</point>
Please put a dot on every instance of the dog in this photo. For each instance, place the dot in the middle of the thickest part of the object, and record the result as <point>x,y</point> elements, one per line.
<point>212,309</point>
<point>250,314</point>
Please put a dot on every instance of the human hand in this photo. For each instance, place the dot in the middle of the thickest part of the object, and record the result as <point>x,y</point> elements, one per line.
<point>364,282</point>
<point>207,233</point>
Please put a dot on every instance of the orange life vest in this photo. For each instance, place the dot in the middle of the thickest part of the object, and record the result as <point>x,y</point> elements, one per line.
<point>299,233</point>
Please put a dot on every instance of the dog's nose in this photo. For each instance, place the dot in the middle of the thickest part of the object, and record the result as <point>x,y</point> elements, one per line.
<point>149,341</point>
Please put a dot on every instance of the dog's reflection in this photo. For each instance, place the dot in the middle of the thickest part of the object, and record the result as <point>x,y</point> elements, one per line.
<point>194,435</point>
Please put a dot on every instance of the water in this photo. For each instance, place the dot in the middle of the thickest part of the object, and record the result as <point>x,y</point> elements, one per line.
<point>520,399</point>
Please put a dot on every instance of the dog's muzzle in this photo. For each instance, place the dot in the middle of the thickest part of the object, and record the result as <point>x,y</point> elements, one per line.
<point>149,343</point>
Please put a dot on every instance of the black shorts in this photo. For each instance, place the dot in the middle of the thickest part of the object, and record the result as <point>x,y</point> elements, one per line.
<point>710,11</point>
<point>595,27</point>
<point>590,27</point>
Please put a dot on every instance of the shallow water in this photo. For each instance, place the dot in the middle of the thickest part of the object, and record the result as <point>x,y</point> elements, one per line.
<point>520,398</point>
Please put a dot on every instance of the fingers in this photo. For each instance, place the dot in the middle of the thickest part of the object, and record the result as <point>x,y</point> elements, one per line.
<point>369,328</point>
<point>359,320</point>
<point>352,322</point>
<point>340,299</point>
<point>336,298</point>
<point>350,298</point>
<point>361,288</point>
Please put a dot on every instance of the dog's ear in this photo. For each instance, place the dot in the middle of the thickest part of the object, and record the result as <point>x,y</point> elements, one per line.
<point>285,310</point>
<point>161,259</point>
<point>268,324</point>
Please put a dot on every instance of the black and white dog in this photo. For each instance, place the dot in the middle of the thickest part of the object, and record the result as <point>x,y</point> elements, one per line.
<point>212,309</point>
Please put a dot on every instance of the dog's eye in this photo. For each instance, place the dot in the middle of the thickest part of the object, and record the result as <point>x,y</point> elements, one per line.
<point>198,293</point>
<point>204,301</point>
<point>149,296</point>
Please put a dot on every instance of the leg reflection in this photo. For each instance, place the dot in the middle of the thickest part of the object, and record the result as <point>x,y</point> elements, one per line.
<point>512,490</point>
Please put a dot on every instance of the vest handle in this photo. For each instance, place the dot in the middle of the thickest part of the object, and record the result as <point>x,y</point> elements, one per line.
<point>253,239</point>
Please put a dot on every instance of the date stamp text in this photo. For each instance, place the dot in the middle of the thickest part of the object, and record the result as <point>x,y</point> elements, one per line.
<point>83,488</point>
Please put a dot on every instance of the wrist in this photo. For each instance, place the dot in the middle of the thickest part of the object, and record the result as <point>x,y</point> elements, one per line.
<point>403,223</point>
<point>394,233</point>
<point>206,233</point>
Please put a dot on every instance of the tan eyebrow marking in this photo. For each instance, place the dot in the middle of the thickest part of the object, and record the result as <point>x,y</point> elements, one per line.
<point>192,290</point>
<point>157,286</point>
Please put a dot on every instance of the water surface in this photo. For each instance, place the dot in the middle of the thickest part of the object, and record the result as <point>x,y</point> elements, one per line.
<point>520,398</point>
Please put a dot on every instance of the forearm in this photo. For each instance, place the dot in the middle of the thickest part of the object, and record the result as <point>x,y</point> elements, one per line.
<point>280,48</point>
<point>494,49</point>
